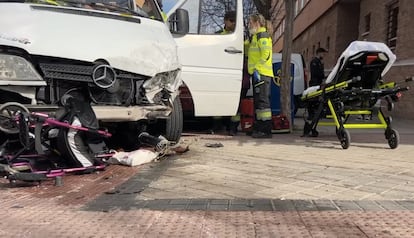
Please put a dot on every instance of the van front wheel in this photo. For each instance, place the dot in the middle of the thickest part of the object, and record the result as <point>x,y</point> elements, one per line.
<point>174,123</point>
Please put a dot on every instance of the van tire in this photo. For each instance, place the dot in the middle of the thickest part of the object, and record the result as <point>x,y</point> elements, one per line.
<point>174,123</point>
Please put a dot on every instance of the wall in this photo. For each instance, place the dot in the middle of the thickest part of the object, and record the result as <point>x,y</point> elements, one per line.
<point>310,13</point>
<point>339,23</point>
<point>404,66</point>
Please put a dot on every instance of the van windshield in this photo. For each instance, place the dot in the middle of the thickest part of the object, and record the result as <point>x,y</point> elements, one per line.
<point>142,8</point>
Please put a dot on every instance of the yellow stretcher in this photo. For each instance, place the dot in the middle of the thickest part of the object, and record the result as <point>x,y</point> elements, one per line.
<point>355,87</point>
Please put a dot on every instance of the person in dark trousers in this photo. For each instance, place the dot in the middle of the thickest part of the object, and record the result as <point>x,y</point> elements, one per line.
<point>235,120</point>
<point>317,71</point>
<point>317,68</point>
<point>260,67</point>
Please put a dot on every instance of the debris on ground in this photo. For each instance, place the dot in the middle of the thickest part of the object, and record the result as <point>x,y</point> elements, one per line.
<point>214,145</point>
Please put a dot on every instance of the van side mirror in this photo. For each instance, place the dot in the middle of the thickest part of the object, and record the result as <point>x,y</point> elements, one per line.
<point>179,22</point>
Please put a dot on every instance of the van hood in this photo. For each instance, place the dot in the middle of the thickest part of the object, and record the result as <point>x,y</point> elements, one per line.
<point>134,44</point>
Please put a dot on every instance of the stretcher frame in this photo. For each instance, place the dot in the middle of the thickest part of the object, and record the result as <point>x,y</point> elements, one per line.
<point>337,101</point>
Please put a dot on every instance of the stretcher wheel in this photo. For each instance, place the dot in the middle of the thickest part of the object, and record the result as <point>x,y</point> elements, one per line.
<point>8,117</point>
<point>344,138</point>
<point>393,138</point>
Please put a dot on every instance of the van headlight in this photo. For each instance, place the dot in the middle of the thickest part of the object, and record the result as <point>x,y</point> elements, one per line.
<point>16,68</point>
<point>167,80</point>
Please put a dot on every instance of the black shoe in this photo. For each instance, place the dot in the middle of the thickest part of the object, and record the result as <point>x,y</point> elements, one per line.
<point>314,133</point>
<point>232,131</point>
<point>261,135</point>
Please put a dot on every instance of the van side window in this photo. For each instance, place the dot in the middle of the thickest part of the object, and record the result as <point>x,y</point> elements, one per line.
<point>207,16</point>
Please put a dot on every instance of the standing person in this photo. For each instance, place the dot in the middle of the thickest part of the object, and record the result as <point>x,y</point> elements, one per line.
<point>317,69</point>
<point>229,23</point>
<point>260,67</point>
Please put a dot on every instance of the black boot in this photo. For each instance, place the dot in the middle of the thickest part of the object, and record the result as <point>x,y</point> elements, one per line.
<point>217,125</point>
<point>306,129</point>
<point>233,128</point>
<point>263,129</point>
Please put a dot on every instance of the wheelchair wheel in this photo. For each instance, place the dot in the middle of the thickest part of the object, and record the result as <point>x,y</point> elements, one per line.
<point>8,117</point>
<point>344,138</point>
<point>393,138</point>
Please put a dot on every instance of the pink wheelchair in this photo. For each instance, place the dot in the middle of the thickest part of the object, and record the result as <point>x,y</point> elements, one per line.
<point>36,146</point>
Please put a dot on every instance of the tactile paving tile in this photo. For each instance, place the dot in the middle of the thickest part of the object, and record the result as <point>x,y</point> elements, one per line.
<point>44,218</point>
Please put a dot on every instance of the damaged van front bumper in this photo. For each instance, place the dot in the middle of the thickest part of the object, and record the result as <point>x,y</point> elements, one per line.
<point>133,113</point>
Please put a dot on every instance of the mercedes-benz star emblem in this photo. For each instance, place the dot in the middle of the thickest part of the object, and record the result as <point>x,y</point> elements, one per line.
<point>104,76</point>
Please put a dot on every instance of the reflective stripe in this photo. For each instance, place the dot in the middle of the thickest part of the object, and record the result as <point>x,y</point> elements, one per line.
<point>259,83</point>
<point>76,144</point>
<point>263,114</point>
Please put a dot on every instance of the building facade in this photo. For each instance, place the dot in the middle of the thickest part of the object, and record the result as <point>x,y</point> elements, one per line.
<point>333,24</point>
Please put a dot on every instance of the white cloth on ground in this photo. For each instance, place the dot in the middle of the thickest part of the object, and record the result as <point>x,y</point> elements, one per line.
<point>134,158</point>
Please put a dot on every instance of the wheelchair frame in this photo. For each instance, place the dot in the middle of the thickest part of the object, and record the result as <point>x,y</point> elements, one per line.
<point>19,166</point>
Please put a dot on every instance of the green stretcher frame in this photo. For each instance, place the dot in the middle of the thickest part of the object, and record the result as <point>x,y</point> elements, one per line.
<point>383,124</point>
<point>330,95</point>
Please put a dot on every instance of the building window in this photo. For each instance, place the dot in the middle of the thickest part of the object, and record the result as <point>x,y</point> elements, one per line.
<point>297,7</point>
<point>280,29</point>
<point>302,4</point>
<point>367,22</point>
<point>206,17</point>
<point>392,25</point>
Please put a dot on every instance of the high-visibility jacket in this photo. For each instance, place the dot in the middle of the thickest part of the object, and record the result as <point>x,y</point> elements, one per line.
<point>259,54</point>
<point>164,16</point>
<point>224,32</point>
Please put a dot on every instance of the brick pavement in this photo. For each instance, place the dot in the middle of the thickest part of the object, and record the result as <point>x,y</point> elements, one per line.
<point>284,187</point>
